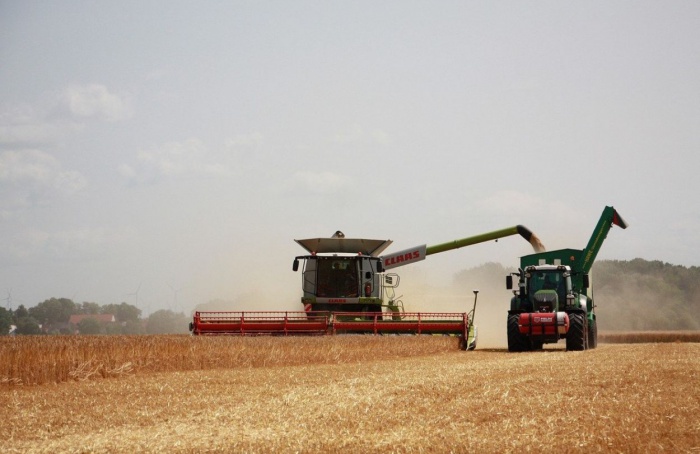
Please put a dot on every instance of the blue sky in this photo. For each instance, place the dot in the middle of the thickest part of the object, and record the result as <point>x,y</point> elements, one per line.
<point>174,151</point>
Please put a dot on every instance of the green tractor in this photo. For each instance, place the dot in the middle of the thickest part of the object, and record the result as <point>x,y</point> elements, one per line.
<point>554,299</point>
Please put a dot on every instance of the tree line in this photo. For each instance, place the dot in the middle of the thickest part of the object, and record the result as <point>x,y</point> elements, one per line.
<point>52,316</point>
<point>633,295</point>
<point>638,295</point>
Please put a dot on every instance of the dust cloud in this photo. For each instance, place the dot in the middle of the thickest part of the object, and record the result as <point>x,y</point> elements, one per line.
<point>493,301</point>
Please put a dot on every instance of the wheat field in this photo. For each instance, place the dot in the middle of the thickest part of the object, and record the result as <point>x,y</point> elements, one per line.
<point>345,393</point>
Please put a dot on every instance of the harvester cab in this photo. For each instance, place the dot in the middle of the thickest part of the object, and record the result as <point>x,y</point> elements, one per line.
<point>343,274</point>
<point>554,299</point>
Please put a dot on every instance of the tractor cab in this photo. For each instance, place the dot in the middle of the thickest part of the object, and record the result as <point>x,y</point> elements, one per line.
<point>543,288</point>
<point>547,287</point>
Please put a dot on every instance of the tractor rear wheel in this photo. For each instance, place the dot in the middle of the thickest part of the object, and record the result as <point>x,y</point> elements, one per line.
<point>576,337</point>
<point>592,334</point>
<point>516,341</point>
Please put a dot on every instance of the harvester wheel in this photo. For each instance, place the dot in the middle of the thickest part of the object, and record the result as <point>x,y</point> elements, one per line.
<point>516,341</point>
<point>576,337</point>
<point>592,334</point>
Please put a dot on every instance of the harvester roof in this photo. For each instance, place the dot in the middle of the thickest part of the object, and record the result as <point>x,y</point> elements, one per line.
<point>344,245</point>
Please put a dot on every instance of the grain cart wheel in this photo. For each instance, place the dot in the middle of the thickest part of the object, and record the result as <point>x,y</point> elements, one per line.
<point>576,337</point>
<point>593,334</point>
<point>516,341</point>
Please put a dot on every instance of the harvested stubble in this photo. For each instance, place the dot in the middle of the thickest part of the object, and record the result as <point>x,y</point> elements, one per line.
<point>643,337</point>
<point>617,398</point>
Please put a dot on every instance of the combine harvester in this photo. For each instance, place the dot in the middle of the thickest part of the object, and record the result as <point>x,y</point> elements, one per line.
<point>554,299</point>
<point>347,289</point>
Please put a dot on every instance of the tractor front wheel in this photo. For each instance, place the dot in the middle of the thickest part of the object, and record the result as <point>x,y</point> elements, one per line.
<point>576,337</point>
<point>516,341</point>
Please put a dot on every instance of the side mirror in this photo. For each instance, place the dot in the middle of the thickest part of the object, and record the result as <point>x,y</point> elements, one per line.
<point>295,265</point>
<point>380,267</point>
<point>509,282</point>
<point>586,281</point>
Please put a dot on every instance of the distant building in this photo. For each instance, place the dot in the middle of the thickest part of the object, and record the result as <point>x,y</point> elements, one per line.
<point>102,318</point>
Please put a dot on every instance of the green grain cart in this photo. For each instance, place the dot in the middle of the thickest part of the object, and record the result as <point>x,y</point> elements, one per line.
<point>554,298</point>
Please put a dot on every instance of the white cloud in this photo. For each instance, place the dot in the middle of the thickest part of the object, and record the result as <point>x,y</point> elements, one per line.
<point>95,101</point>
<point>24,124</point>
<point>357,134</point>
<point>252,140</point>
<point>509,202</point>
<point>32,243</point>
<point>172,160</point>
<point>33,176</point>
<point>321,182</point>
<point>60,117</point>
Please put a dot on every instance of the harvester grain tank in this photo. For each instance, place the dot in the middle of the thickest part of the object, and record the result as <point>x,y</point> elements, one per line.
<point>554,299</point>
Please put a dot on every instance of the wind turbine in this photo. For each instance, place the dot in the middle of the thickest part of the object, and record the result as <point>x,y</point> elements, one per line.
<point>135,295</point>
<point>175,292</point>
<point>8,300</point>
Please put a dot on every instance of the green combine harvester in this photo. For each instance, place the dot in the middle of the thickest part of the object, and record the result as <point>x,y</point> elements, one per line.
<point>554,299</point>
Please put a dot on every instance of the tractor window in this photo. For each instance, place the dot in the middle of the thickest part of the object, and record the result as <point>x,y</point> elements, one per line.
<point>545,290</point>
<point>547,280</point>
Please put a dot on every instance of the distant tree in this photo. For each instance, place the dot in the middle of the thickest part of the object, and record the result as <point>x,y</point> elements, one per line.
<point>88,308</point>
<point>167,322</point>
<point>20,312</point>
<point>27,325</point>
<point>646,295</point>
<point>132,327</point>
<point>112,329</point>
<point>5,321</point>
<point>122,312</point>
<point>89,326</point>
<point>53,311</point>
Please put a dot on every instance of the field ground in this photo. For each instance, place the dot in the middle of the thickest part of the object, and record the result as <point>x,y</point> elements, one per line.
<point>361,394</point>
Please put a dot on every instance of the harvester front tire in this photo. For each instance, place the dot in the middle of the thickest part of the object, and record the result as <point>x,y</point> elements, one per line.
<point>516,341</point>
<point>576,337</point>
<point>593,334</point>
